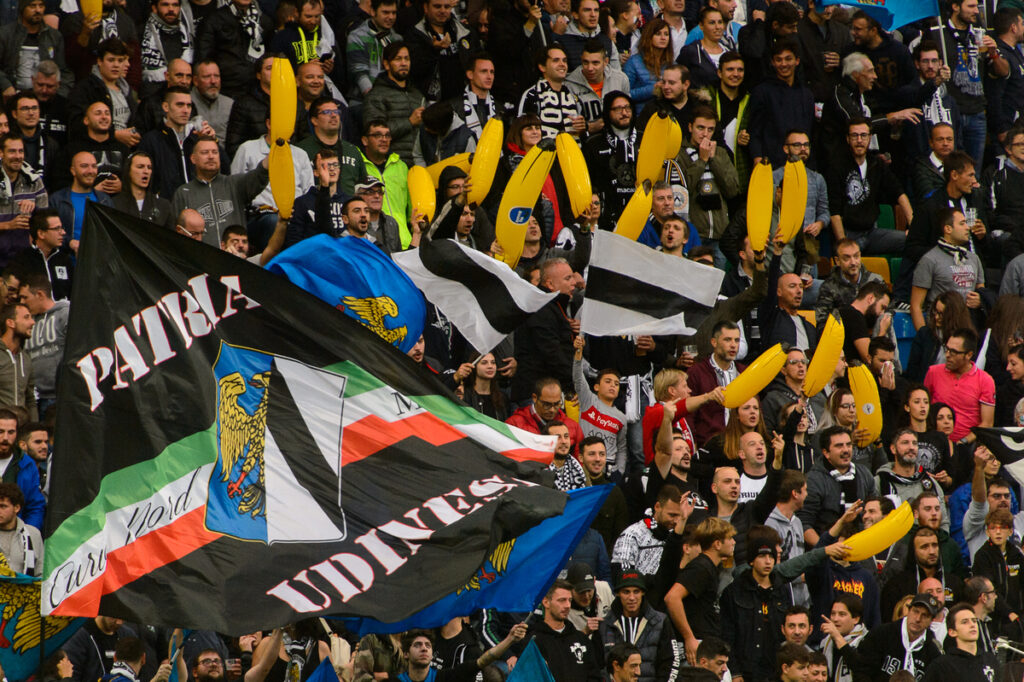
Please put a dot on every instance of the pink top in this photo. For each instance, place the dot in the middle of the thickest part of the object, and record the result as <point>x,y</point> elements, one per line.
<point>965,394</point>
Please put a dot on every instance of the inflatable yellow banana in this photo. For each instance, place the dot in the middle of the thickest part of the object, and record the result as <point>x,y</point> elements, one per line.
<point>422,194</point>
<point>633,218</point>
<point>755,377</point>
<point>461,160</point>
<point>283,101</point>
<point>794,200</point>
<point>865,394</point>
<point>675,140</point>
<point>882,535</point>
<point>518,201</point>
<point>760,194</point>
<point>282,178</point>
<point>485,160</point>
<point>826,355</point>
<point>651,157</point>
<point>575,173</point>
<point>93,7</point>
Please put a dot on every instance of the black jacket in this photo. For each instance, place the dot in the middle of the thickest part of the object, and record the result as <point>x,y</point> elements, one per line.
<point>88,90</point>
<point>154,209</point>
<point>658,660</point>
<point>751,513</point>
<point>543,348</point>
<point>775,109</point>
<point>248,119</point>
<point>316,213</point>
<point>753,634</point>
<point>59,267</point>
<point>962,666</point>
<point>172,162</point>
<point>221,38</point>
<point>1004,572</point>
<point>906,581</point>
<point>881,653</point>
<point>571,656</point>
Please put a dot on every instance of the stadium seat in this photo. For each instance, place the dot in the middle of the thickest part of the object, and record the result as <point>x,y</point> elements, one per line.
<point>886,217</point>
<point>877,265</point>
<point>895,263</point>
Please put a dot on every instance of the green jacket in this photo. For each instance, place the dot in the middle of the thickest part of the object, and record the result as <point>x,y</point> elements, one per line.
<point>710,224</point>
<point>741,158</point>
<point>396,192</point>
<point>395,104</point>
<point>349,157</point>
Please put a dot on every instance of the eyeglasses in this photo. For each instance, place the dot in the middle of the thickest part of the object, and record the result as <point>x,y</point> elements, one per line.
<point>847,406</point>
<point>209,661</point>
<point>191,234</point>
<point>796,362</point>
<point>624,107</point>
<point>330,112</point>
<point>549,405</point>
<point>858,136</point>
<point>800,145</point>
<point>954,351</point>
<point>333,165</point>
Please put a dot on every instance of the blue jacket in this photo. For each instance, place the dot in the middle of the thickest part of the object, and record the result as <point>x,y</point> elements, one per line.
<point>34,509</point>
<point>959,501</point>
<point>61,202</point>
<point>641,81</point>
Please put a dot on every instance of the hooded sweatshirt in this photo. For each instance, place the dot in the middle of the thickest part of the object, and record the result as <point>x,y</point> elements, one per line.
<point>899,488</point>
<point>838,663</point>
<point>17,384</point>
<point>46,347</point>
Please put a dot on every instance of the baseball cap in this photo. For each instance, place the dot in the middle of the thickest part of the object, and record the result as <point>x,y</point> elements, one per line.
<point>631,579</point>
<point>368,183</point>
<point>928,602</point>
<point>581,577</point>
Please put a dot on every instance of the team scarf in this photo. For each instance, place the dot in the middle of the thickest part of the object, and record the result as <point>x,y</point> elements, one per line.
<point>154,60</point>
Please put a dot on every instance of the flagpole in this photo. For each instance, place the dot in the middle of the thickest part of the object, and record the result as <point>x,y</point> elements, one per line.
<point>942,40</point>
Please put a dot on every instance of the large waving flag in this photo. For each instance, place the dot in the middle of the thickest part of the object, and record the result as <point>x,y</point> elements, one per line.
<point>234,452</point>
<point>358,278</point>
<point>517,573</point>
<point>892,14</point>
<point>1007,444</point>
<point>633,289</point>
<point>27,638</point>
<point>483,297</point>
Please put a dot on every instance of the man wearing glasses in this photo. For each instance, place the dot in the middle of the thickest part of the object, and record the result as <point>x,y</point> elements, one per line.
<point>786,388</point>
<point>209,667</point>
<point>325,117</point>
<point>970,391</point>
<point>544,410</point>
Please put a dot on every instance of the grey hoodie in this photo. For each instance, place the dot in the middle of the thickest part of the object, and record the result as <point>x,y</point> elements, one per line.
<point>46,347</point>
<point>590,103</point>
<point>900,489</point>
<point>17,386</point>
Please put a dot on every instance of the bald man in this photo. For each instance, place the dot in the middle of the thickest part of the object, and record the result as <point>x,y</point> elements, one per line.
<point>71,202</point>
<point>779,310</point>
<point>753,455</point>
<point>190,224</point>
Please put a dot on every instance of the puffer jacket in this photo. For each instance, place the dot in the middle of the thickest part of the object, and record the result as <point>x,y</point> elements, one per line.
<point>660,660</point>
<point>394,103</point>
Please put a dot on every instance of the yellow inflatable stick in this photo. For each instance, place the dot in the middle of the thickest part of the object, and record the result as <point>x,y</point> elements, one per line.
<point>651,157</point>
<point>882,535</point>
<point>755,377</point>
<point>826,355</point>
<point>518,201</point>
<point>865,394</point>
<point>634,216</point>
<point>675,140</point>
<point>422,194</point>
<point>572,408</point>
<point>760,194</point>
<point>282,178</point>
<point>93,7</point>
<point>794,200</point>
<point>461,160</point>
<point>574,170</point>
<point>485,160</point>
<point>283,101</point>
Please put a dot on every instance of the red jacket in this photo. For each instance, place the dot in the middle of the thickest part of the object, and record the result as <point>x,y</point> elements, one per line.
<point>709,420</point>
<point>652,422</point>
<point>527,419</point>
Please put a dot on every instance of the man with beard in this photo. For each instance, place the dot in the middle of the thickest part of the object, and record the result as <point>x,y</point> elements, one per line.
<point>365,45</point>
<point>17,384</point>
<point>18,466</point>
<point>569,474</point>
<point>718,369</point>
<point>639,548</point>
<point>99,141</point>
<point>25,193</point>
<point>325,117</point>
<point>613,517</point>
<point>26,43</point>
<point>923,562</point>
<point>550,98</point>
<point>570,655</point>
<point>859,319</point>
<point>418,647</point>
<point>394,99</point>
<point>167,35</point>
<point>674,98</point>
<point>671,465</point>
<point>207,101</point>
<point>798,146</point>
<point>966,661</point>
<point>843,282</point>
<point>938,108</point>
<point>929,512</point>
<point>903,479</point>
<point>633,621</point>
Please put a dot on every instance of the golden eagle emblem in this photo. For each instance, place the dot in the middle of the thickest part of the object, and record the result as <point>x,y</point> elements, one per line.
<point>372,311</point>
<point>498,562</point>
<point>243,436</point>
<point>19,603</point>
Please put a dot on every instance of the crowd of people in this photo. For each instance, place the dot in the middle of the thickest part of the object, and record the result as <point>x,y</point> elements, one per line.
<point>720,552</point>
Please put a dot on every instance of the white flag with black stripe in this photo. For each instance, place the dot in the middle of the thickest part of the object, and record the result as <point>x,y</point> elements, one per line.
<point>484,298</point>
<point>634,289</point>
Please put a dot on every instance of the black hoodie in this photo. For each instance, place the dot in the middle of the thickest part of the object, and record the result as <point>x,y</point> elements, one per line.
<point>962,666</point>
<point>612,163</point>
<point>571,656</point>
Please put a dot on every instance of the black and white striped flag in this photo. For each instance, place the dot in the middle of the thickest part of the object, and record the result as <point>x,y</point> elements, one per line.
<point>484,298</point>
<point>634,289</point>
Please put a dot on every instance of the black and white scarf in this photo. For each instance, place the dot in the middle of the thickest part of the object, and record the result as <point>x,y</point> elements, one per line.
<point>154,61</point>
<point>471,107</point>
<point>250,20</point>
<point>847,484</point>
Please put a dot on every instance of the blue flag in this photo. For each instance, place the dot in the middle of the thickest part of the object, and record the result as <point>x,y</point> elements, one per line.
<point>324,672</point>
<point>892,14</point>
<point>359,279</point>
<point>531,666</point>
<point>516,574</point>
<point>27,639</point>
